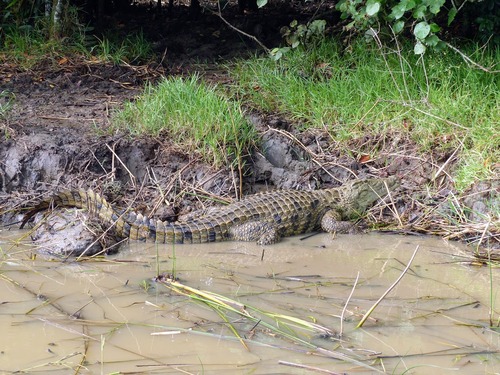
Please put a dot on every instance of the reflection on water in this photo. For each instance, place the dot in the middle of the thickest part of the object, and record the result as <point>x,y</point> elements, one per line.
<point>108,315</point>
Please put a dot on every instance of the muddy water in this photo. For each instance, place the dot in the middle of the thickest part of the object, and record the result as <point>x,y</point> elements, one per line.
<point>109,314</point>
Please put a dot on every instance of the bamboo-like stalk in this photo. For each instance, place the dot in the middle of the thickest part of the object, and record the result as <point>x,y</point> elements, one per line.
<point>345,306</point>
<point>220,303</point>
<point>369,312</point>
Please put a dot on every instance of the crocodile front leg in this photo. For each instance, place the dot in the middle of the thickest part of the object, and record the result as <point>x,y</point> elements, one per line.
<point>332,223</point>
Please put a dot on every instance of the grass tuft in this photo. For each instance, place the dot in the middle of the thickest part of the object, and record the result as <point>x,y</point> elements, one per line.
<point>6,100</point>
<point>192,114</point>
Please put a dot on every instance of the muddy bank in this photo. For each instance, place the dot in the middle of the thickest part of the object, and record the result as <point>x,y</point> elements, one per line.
<point>56,136</point>
<point>159,180</point>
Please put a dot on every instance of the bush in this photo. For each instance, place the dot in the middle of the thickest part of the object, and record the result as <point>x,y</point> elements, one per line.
<point>426,20</point>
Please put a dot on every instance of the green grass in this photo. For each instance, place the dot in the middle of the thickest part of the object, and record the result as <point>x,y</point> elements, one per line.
<point>363,90</point>
<point>132,49</point>
<point>6,99</point>
<point>28,45</point>
<point>192,114</point>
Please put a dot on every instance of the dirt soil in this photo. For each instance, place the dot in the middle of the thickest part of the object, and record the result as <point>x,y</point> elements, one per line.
<point>56,136</point>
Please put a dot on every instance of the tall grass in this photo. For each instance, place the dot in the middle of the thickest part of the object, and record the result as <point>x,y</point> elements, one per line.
<point>131,49</point>
<point>192,114</point>
<point>28,45</point>
<point>352,92</point>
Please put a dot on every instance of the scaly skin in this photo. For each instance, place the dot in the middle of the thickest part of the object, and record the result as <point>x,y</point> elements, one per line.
<point>264,217</point>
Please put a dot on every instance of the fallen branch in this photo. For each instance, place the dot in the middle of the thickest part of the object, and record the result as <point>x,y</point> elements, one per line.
<point>368,313</point>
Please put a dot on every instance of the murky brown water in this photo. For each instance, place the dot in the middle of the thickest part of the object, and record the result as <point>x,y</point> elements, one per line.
<point>108,315</point>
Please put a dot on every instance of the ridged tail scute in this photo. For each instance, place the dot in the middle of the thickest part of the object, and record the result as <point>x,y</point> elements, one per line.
<point>134,226</point>
<point>142,228</point>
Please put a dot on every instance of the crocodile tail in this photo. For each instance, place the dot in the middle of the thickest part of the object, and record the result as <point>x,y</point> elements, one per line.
<point>127,224</point>
<point>61,199</point>
<point>88,200</point>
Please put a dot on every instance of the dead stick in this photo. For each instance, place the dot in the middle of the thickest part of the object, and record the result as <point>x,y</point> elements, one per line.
<point>368,313</point>
<point>345,306</point>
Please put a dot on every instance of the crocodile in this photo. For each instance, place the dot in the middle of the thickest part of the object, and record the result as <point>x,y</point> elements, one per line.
<point>264,217</point>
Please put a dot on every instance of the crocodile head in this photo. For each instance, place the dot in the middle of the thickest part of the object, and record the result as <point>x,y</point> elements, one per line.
<point>359,195</point>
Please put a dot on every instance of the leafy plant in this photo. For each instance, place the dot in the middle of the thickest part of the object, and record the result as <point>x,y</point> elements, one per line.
<point>424,19</point>
<point>296,35</point>
<point>396,16</point>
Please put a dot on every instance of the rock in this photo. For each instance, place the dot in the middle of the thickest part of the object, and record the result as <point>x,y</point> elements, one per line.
<point>483,201</point>
<point>71,232</point>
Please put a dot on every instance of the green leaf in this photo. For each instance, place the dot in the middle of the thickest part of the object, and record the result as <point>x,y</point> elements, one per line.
<point>372,7</point>
<point>301,30</point>
<point>419,12</point>
<point>435,28</point>
<point>451,15</point>
<point>350,25</point>
<point>351,9</point>
<point>276,54</point>
<point>261,3</point>
<point>431,40</point>
<point>410,5</point>
<point>435,6</point>
<point>419,48</point>
<point>398,11</point>
<point>293,39</point>
<point>318,27</point>
<point>440,46</point>
<point>422,29</point>
<point>398,26</point>
<point>341,5</point>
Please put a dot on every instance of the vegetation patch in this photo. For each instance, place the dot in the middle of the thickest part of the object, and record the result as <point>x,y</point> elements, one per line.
<point>5,103</point>
<point>365,90</point>
<point>29,45</point>
<point>192,114</point>
<point>131,49</point>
